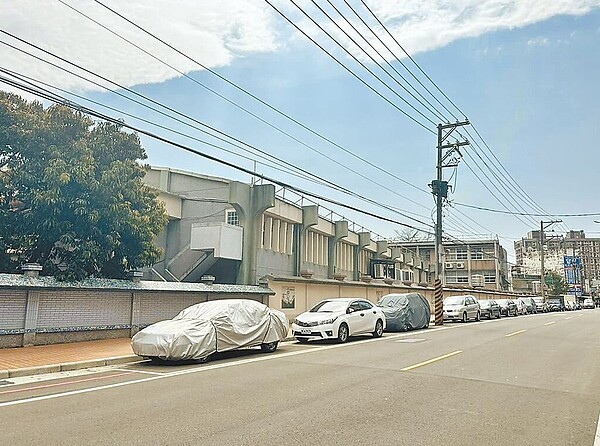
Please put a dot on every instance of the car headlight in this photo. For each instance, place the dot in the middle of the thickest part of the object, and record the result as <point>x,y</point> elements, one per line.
<point>295,321</point>
<point>328,321</point>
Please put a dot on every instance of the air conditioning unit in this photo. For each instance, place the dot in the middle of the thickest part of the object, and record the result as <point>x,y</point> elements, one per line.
<point>460,265</point>
<point>449,265</point>
<point>477,280</point>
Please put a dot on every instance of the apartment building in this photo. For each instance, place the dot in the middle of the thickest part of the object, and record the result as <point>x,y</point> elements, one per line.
<point>559,249</point>
<point>480,263</point>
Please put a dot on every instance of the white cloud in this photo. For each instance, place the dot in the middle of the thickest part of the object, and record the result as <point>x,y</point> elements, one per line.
<point>216,33</point>
<point>538,41</point>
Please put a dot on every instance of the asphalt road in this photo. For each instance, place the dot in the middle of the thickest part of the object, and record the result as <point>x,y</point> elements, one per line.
<point>529,380</point>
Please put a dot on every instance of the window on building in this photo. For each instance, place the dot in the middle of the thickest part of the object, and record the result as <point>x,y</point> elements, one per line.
<point>344,256</point>
<point>456,277</point>
<point>277,235</point>
<point>477,254</point>
<point>461,253</point>
<point>316,248</point>
<point>489,278</point>
<point>231,217</point>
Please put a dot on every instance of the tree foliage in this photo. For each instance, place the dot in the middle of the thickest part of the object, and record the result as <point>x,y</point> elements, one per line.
<point>71,194</point>
<point>557,285</point>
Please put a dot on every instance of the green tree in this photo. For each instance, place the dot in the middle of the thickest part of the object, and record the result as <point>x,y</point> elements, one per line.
<point>556,284</point>
<point>71,194</point>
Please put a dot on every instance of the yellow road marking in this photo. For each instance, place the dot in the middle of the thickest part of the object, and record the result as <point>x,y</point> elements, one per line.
<point>516,333</point>
<point>439,358</point>
<point>550,323</point>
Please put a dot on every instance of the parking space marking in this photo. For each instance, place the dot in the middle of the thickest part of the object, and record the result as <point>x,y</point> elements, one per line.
<point>140,371</point>
<point>76,381</point>
<point>421,364</point>
<point>515,333</point>
<point>550,323</point>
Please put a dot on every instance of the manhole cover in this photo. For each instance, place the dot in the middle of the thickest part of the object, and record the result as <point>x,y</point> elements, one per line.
<point>4,382</point>
<point>411,340</point>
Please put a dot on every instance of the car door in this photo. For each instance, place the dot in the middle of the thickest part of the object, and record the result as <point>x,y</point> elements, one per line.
<point>354,318</point>
<point>471,307</point>
<point>370,316</point>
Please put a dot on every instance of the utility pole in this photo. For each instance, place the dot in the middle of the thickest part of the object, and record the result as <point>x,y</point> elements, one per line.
<point>448,155</point>
<point>544,225</point>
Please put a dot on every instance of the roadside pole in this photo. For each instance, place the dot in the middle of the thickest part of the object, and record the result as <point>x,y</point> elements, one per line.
<point>439,188</point>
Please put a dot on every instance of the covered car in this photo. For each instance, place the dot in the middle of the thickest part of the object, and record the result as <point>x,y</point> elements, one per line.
<point>405,311</point>
<point>209,327</point>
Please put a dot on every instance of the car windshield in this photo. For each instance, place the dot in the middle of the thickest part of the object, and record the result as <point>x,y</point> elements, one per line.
<point>484,303</point>
<point>454,300</point>
<point>329,306</point>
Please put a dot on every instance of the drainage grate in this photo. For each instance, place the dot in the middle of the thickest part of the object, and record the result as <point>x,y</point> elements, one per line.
<point>410,341</point>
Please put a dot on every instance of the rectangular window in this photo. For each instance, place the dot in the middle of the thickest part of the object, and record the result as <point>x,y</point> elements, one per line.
<point>231,217</point>
<point>461,254</point>
<point>490,278</point>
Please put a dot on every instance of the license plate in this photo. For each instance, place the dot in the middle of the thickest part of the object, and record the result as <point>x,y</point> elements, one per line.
<point>305,331</point>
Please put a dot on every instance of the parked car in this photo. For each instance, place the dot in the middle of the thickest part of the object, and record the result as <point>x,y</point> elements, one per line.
<point>540,304</point>
<point>339,319</point>
<point>556,303</point>
<point>405,311</point>
<point>489,309</point>
<point>461,308</point>
<point>507,307</point>
<point>209,327</point>
<point>529,304</point>
<point>588,303</point>
<point>521,307</point>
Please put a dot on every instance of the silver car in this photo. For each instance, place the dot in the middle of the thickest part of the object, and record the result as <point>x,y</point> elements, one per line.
<point>461,308</point>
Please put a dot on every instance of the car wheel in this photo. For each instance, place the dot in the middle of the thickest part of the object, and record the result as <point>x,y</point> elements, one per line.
<point>378,329</point>
<point>465,318</point>
<point>269,347</point>
<point>478,317</point>
<point>343,333</point>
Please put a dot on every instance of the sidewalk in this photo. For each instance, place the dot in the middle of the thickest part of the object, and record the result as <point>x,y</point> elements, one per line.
<point>39,359</point>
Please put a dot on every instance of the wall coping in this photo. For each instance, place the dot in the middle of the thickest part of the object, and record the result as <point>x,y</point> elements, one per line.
<point>49,282</point>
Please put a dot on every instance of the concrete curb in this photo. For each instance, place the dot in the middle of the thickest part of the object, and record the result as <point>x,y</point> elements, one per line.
<point>67,366</point>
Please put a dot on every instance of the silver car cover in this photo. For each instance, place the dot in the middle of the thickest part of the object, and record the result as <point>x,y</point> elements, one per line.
<point>209,327</point>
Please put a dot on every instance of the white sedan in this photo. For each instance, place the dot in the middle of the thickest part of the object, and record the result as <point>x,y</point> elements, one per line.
<point>339,319</point>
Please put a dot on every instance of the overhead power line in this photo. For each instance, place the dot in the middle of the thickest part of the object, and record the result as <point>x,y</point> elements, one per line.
<point>48,95</point>
<point>498,211</point>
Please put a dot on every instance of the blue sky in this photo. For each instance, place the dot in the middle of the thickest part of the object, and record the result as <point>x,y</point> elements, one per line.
<point>527,78</point>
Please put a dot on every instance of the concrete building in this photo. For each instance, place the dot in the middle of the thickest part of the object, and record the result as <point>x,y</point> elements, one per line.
<point>556,248</point>
<point>475,263</point>
<point>240,232</point>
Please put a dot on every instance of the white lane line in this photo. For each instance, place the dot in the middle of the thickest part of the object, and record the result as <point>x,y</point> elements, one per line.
<point>567,318</point>
<point>206,368</point>
<point>550,323</point>
<point>515,333</point>
<point>597,437</point>
<point>421,364</point>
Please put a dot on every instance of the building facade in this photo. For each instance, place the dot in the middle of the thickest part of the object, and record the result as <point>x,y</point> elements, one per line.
<point>240,232</point>
<point>563,254</point>
<point>474,263</point>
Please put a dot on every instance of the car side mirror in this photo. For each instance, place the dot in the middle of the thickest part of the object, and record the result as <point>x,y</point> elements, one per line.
<point>349,310</point>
